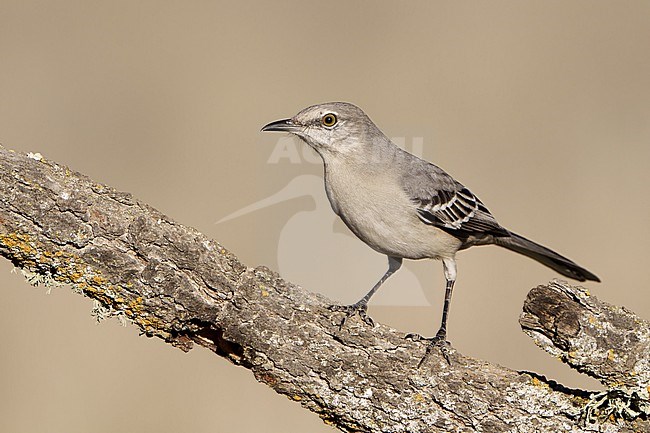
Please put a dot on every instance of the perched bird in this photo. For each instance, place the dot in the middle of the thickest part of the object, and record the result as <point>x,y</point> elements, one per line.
<point>400,205</point>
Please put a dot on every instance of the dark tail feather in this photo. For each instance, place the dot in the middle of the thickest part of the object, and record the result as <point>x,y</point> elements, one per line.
<point>553,260</point>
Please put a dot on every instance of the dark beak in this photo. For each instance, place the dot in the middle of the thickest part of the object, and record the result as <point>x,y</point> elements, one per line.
<point>284,125</point>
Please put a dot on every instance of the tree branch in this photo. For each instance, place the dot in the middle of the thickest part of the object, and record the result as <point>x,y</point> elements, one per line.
<point>607,342</point>
<point>178,285</point>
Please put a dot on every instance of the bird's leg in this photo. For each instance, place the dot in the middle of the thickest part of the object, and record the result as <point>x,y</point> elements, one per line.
<point>440,340</point>
<point>360,307</point>
<point>441,335</point>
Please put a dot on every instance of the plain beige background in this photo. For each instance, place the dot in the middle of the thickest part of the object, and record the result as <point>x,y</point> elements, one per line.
<point>541,108</point>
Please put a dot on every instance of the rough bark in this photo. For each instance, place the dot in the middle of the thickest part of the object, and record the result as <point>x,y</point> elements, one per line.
<point>604,341</point>
<point>174,283</point>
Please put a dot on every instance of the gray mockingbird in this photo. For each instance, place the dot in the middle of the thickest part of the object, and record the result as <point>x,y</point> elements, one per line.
<point>400,205</point>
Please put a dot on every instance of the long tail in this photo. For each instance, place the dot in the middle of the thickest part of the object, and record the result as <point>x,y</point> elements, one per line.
<point>547,257</point>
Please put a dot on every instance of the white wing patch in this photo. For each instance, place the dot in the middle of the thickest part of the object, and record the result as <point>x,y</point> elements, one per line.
<point>451,208</point>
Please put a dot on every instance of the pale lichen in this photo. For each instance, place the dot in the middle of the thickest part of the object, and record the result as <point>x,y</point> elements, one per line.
<point>614,404</point>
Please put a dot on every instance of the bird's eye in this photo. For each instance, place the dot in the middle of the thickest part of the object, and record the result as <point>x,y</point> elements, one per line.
<point>329,120</point>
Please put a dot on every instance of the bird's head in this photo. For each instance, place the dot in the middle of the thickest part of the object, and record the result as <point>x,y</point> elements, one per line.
<point>330,128</point>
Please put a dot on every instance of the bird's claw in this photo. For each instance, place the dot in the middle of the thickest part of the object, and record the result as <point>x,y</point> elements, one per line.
<point>415,337</point>
<point>439,341</point>
<point>350,310</point>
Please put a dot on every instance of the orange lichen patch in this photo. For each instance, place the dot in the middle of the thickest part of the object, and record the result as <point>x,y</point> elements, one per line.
<point>419,398</point>
<point>148,322</point>
<point>611,354</point>
<point>20,242</point>
<point>31,254</point>
<point>95,293</point>
<point>134,308</point>
<point>136,305</point>
<point>152,325</point>
<point>72,269</point>
<point>100,281</point>
<point>536,382</point>
<point>97,287</point>
<point>76,276</point>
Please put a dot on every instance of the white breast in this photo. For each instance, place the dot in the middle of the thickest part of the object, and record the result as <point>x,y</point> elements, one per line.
<point>373,205</point>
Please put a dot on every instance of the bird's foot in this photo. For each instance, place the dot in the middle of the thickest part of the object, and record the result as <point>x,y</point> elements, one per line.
<point>438,342</point>
<point>359,308</point>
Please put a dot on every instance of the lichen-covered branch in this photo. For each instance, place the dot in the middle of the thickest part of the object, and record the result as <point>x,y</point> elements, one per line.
<point>607,342</point>
<point>178,285</point>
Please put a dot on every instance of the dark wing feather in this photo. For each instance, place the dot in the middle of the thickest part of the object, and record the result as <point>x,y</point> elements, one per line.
<point>445,203</point>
